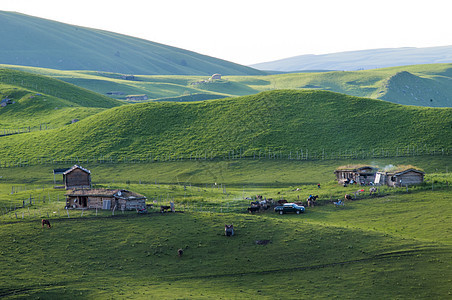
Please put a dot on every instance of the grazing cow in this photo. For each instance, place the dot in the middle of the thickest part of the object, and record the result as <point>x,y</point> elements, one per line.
<point>252,209</point>
<point>348,197</point>
<point>45,222</point>
<point>180,252</point>
<point>229,230</point>
<point>164,208</point>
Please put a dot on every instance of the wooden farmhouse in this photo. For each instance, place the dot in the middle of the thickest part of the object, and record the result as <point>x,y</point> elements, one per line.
<point>76,178</point>
<point>400,178</point>
<point>104,199</point>
<point>352,174</point>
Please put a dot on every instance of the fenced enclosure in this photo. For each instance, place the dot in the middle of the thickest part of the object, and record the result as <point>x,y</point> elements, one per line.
<point>265,154</point>
<point>29,203</point>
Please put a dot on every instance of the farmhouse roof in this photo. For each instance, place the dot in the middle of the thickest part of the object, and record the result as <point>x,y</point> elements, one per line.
<point>117,193</point>
<point>60,171</point>
<point>410,170</point>
<point>76,167</point>
<point>403,171</point>
<point>354,168</point>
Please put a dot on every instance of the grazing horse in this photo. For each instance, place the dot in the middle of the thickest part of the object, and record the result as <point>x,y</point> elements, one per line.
<point>229,230</point>
<point>45,222</point>
<point>348,197</point>
<point>311,200</point>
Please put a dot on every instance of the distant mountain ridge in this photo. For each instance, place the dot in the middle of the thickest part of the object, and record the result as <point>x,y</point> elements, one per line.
<point>37,42</point>
<point>361,60</point>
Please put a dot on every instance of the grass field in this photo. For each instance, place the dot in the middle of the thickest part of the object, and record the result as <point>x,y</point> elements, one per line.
<point>396,245</point>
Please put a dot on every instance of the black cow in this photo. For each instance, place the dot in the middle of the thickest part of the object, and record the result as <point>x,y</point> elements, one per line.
<point>252,209</point>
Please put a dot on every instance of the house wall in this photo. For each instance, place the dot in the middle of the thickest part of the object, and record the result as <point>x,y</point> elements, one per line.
<point>410,178</point>
<point>77,179</point>
<point>342,176</point>
<point>132,204</point>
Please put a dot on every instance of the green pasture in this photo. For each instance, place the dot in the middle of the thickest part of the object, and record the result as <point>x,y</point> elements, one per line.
<point>395,245</point>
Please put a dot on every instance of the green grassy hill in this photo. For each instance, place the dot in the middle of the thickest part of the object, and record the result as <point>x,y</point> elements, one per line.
<point>280,122</point>
<point>421,85</point>
<point>37,100</point>
<point>32,41</point>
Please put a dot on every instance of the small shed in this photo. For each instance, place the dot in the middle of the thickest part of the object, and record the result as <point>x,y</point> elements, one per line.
<point>77,178</point>
<point>401,177</point>
<point>104,199</point>
<point>358,174</point>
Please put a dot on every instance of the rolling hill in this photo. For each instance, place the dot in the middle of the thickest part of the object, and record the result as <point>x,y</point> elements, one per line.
<point>421,85</point>
<point>38,42</point>
<point>34,101</point>
<point>361,60</point>
<point>283,121</point>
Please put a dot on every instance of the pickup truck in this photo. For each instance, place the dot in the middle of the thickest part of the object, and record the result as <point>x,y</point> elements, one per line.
<point>289,207</point>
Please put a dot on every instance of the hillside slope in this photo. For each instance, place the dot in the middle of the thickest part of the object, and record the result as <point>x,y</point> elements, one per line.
<point>30,100</point>
<point>279,121</point>
<point>361,60</point>
<point>39,42</point>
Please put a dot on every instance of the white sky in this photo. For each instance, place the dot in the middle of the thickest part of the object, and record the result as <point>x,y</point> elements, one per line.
<point>254,31</point>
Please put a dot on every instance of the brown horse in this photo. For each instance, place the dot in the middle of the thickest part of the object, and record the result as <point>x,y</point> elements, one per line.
<point>311,200</point>
<point>45,222</point>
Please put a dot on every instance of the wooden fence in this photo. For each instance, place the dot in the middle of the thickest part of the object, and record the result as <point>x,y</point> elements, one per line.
<point>301,154</point>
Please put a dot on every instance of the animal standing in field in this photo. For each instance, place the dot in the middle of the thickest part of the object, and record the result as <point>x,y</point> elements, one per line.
<point>45,222</point>
<point>311,200</point>
<point>253,208</point>
<point>348,197</point>
<point>229,230</point>
<point>164,208</point>
<point>180,252</point>
<point>373,191</point>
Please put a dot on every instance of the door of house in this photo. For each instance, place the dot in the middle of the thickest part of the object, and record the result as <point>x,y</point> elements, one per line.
<point>83,201</point>
<point>106,204</point>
